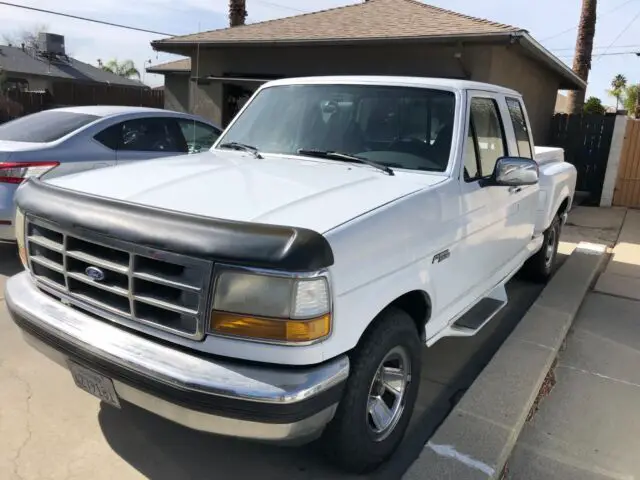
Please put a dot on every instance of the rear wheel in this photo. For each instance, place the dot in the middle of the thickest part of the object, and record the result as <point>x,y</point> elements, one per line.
<point>539,268</point>
<point>379,396</point>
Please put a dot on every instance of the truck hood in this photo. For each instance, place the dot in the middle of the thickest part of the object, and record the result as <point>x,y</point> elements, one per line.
<point>314,194</point>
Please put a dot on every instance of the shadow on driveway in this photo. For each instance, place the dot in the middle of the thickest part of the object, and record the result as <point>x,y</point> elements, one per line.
<point>9,261</point>
<point>160,449</point>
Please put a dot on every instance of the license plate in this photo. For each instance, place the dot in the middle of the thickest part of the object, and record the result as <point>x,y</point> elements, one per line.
<point>94,383</point>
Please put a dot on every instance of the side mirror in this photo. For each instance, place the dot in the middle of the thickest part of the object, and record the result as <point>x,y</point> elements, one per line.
<point>515,172</point>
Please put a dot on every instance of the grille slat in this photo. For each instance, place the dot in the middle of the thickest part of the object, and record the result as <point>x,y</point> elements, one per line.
<point>45,262</point>
<point>165,281</point>
<point>167,306</point>
<point>47,243</point>
<point>138,287</point>
<point>123,292</point>
<point>98,262</point>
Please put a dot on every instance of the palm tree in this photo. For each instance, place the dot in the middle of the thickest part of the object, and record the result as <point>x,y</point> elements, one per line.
<point>630,100</point>
<point>126,68</point>
<point>237,12</point>
<point>618,86</point>
<point>584,48</point>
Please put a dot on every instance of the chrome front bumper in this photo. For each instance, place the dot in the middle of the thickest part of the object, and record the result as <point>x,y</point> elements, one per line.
<point>267,403</point>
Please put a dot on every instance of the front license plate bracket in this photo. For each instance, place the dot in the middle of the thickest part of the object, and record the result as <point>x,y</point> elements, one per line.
<point>94,383</point>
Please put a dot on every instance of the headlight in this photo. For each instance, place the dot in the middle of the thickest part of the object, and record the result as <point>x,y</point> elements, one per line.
<point>270,307</point>
<point>19,229</point>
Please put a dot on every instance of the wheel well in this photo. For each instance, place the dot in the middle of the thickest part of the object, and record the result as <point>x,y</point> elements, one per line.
<point>417,305</point>
<point>564,206</point>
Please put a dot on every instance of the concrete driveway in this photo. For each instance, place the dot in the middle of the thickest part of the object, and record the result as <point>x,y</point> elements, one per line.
<point>51,430</point>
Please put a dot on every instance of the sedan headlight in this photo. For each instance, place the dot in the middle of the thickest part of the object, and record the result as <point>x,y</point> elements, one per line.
<point>19,231</point>
<point>271,307</point>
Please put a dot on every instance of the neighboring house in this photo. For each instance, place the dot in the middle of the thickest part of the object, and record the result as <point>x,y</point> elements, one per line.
<point>39,69</point>
<point>176,82</point>
<point>385,37</point>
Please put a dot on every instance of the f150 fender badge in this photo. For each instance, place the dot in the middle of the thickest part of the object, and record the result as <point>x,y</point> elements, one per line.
<point>439,257</point>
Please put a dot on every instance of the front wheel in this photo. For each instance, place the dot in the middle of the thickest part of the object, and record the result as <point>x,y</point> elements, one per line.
<point>539,268</point>
<point>379,396</point>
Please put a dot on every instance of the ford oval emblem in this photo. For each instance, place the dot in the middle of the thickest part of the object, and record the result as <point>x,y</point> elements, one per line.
<point>94,273</point>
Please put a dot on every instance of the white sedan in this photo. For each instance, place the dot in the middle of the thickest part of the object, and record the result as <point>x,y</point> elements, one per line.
<point>61,141</point>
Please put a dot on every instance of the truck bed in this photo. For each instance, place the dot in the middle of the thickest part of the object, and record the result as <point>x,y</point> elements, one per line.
<point>548,154</point>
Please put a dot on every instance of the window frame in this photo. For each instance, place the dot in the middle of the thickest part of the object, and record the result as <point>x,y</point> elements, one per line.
<point>497,101</point>
<point>523,111</point>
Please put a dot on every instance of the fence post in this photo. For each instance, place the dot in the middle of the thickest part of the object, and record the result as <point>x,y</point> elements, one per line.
<point>613,162</point>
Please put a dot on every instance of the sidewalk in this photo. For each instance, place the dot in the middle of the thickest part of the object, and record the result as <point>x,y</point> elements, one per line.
<point>588,427</point>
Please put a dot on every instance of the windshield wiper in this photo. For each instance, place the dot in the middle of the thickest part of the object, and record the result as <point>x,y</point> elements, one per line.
<point>242,146</point>
<point>346,157</point>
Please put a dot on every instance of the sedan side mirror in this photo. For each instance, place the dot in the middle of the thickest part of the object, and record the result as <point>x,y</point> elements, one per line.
<point>515,172</point>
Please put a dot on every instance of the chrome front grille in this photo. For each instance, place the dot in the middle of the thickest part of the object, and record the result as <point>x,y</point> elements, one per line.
<point>139,287</point>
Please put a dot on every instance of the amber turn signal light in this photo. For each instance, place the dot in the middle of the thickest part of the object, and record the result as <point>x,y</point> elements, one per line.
<point>284,330</point>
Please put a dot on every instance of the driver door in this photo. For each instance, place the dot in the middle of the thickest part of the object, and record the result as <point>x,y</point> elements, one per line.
<point>487,210</point>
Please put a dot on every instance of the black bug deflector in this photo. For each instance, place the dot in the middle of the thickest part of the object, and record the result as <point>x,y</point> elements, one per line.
<point>260,245</point>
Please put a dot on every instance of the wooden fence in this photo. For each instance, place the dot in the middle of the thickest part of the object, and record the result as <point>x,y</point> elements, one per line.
<point>63,94</point>
<point>586,140</point>
<point>68,93</point>
<point>627,189</point>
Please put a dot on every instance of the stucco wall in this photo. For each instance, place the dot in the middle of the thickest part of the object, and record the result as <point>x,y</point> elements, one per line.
<point>537,84</point>
<point>502,65</point>
<point>419,60</point>
<point>176,92</point>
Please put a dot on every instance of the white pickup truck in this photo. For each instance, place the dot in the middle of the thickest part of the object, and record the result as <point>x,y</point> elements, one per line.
<point>281,286</point>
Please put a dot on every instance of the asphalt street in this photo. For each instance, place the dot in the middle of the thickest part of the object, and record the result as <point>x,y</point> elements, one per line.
<point>51,430</point>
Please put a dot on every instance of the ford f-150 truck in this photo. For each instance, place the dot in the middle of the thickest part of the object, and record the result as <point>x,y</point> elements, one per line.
<point>280,286</point>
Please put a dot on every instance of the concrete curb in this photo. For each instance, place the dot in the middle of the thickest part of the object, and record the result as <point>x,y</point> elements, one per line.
<point>476,439</point>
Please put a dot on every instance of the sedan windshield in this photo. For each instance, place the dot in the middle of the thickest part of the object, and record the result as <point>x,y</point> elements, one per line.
<point>45,126</point>
<point>398,127</point>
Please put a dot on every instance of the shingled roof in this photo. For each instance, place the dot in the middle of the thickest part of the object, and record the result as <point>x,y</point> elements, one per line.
<point>16,60</point>
<point>370,21</point>
<point>374,19</point>
<point>175,66</point>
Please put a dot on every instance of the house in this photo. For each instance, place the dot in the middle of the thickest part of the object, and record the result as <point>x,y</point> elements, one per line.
<point>176,83</point>
<point>39,68</point>
<point>396,37</point>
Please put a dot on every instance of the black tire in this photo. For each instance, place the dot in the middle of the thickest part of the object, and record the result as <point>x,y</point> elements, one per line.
<point>539,268</point>
<point>350,440</point>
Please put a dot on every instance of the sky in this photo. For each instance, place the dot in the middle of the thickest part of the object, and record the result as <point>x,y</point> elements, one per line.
<point>552,22</point>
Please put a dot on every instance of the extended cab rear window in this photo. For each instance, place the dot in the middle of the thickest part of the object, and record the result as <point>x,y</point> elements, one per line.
<point>46,126</point>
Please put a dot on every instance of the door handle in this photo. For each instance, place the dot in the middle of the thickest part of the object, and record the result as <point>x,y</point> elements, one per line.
<point>515,189</point>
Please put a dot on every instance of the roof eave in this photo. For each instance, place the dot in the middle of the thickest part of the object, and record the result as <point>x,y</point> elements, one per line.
<point>169,46</point>
<point>173,71</point>
<point>571,81</point>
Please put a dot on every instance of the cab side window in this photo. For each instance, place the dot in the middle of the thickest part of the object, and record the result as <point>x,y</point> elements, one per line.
<point>520,127</point>
<point>488,132</point>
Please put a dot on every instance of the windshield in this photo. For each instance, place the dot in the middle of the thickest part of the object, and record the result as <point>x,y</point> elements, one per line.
<point>400,127</point>
<point>45,126</point>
